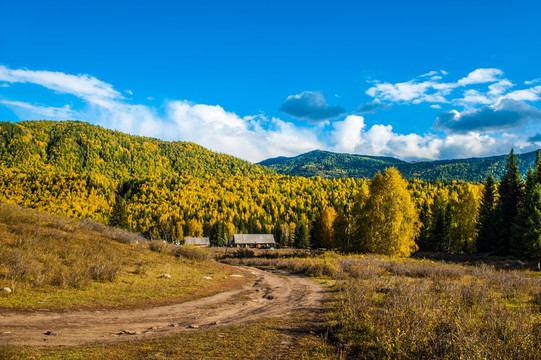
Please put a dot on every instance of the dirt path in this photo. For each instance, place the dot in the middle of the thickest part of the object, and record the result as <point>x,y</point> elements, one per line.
<point>269,293</point>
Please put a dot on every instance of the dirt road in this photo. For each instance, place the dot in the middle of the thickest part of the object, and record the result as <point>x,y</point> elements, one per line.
<point>268,293</point>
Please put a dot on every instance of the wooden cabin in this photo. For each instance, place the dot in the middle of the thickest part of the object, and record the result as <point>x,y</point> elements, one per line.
<point>197,241</point>
<point>264,241</point>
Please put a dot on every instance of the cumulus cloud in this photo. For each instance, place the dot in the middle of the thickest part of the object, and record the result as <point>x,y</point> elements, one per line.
<point>252,137</point>
<point>347,133</point>
<point>481,76</point>
<point>531,94</point>
<point>257,137</point>
<point>470,91</point>
<point>506,114</point>
<point>410,91</point>
<point>311,106</point>
<point>352,135</point>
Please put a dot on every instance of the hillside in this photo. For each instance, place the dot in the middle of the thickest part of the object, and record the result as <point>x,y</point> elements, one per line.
<point>55,262</point>
<point>82,148</point>
<point>334,165</point>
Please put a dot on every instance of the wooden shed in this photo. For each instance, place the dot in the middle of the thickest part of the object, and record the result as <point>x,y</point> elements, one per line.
<point>253,240</point>
<point>197,241</point>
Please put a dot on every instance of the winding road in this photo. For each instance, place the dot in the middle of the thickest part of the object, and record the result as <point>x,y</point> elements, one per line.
<point>268,293</point>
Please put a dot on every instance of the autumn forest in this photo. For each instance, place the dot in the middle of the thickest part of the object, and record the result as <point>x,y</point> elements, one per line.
<point>169,190</point>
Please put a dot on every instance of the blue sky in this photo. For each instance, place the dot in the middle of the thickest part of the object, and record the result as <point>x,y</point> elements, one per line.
<point>410,79</point>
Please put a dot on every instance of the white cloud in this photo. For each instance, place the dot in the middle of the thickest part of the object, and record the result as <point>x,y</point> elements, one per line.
<point>351,135</point>
<point>37,111</point>
<point>531,94</point>
<point>254,138</point>
<point>532,82</point>
<point>83,86</point>
<point>347,133</point>
<point>257,137</point>
<point>500,87</point>
<point>435,91</point>
<point>481,76</point>
<point>473,97</point>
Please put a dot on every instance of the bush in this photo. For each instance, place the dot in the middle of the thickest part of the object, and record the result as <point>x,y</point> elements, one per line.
<point>192,253</point>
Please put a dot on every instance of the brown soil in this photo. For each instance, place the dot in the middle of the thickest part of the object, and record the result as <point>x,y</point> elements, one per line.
<point>268,293</point>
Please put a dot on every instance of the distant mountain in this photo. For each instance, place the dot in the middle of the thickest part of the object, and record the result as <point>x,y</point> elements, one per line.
<point>330,165</point>
<point>334,165</point>
<point>82,148</point>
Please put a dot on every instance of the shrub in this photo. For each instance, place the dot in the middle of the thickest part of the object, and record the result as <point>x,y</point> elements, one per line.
<point>192,253</point>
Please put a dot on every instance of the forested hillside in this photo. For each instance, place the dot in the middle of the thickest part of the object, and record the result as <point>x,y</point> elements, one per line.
<point>333,165</point>
<point>78,147</point>
<point>171,190</point>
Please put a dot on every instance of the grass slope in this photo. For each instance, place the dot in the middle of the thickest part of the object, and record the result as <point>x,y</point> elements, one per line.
<point>57,263</point>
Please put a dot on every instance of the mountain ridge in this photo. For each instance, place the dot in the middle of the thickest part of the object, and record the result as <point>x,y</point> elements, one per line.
<point>80,147</point>
<point>328,164</point>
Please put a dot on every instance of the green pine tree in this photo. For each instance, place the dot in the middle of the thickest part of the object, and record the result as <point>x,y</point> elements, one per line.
<point>486,218</point>
<point>119,215</point>
<point>511,192</point>
<point>527,226</point>
<point>301,236</point>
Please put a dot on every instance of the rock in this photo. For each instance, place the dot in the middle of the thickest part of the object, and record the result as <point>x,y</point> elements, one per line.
<point>207,277</point>
<point>50,333</point>
<point>7,290</point>
<point>214,323</point>
<point>193,326</point>
<point>127,332</point>
<point>166,276</point>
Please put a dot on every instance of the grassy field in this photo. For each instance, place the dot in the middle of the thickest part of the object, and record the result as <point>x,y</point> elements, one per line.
<point>53,262</point>
<point>388,308</point>
<point>380,307</point>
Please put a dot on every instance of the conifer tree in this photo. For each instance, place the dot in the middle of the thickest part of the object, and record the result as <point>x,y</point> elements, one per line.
<point>438,229</point>
<point>511,191</point>
<point>277,232</point>
<point>301,236</point>
<point>424,235</point>
<point>487,231</point>
<point>524,225</point>
<point>527,226</point>
<point>119,215</point>
<point>342,232</point>
<point>537,167</point>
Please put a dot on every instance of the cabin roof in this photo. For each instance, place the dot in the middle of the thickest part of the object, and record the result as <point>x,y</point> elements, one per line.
<point>196,241</point>
<point>253,239</point>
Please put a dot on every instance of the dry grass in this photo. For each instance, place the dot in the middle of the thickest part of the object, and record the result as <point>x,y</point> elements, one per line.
<point>409,309</point>
<point>54,262</point>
